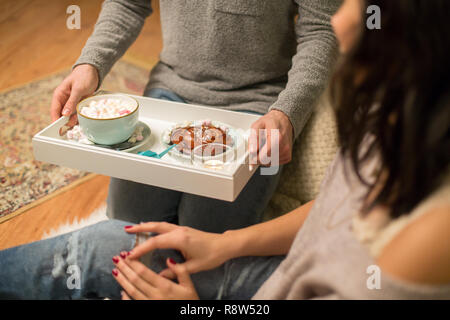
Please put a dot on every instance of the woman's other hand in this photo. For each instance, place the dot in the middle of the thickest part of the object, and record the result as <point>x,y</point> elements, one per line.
<point>201,250</point>
<point>141,283</point>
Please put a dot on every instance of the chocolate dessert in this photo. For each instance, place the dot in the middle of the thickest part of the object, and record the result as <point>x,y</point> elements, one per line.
<point>189,137</point>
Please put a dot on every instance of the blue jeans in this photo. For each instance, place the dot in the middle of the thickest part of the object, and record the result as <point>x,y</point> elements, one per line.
<point>135,202</point>
<point>78,265</point>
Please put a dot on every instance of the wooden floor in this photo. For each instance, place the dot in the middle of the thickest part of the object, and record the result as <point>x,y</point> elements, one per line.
<point>34,43</point>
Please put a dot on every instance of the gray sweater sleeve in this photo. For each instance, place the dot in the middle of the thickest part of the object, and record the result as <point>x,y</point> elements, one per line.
<point>313,62</point>
<point>117,27</point>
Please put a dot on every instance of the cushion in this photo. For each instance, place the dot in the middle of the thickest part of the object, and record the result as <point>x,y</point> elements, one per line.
<point>313,151</point>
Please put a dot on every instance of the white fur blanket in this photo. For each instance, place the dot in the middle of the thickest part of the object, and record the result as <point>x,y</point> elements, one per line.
<point>97,215</point>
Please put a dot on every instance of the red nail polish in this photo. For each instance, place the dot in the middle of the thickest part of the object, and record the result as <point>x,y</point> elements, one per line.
<point>128,227</point>
<point>115,259</point>
<point>123,255</point>
<point>172,261</point>
<point>115,272</point>
<point>128,253</point>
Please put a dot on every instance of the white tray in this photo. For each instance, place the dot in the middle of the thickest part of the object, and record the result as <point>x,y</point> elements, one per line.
<point>167,173</point>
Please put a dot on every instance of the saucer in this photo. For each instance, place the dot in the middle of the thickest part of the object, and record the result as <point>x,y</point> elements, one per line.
<point>126,146</point>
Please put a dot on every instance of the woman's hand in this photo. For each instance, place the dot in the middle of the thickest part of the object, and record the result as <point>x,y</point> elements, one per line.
<point>201,250</point>
<point>141,283</point>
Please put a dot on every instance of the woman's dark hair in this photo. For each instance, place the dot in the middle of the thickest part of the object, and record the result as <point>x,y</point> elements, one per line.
<point>394,86</point>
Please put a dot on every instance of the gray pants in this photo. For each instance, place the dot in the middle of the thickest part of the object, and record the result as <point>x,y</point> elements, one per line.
<point>135,202</point>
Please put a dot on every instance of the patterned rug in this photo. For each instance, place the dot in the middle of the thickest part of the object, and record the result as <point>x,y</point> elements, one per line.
<point>24,111</point>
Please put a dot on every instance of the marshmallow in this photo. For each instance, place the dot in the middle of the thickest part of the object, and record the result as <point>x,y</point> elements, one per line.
<point>107,108</point>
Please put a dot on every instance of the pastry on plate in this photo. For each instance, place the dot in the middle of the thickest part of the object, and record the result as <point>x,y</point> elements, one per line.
<point>190,134</point>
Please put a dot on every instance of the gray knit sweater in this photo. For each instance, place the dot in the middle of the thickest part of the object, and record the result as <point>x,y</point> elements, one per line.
<point>234,54</point>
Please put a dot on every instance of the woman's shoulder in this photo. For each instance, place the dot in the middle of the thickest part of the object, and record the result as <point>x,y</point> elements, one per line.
<point>420,251</point>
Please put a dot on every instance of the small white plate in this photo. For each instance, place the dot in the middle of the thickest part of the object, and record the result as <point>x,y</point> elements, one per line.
<point>237,138</point>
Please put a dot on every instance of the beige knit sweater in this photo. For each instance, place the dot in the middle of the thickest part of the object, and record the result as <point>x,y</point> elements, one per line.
<point>330,259</point>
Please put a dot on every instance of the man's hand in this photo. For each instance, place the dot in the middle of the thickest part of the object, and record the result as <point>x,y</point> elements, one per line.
<point>272,120</point>
<point>80,84</point>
